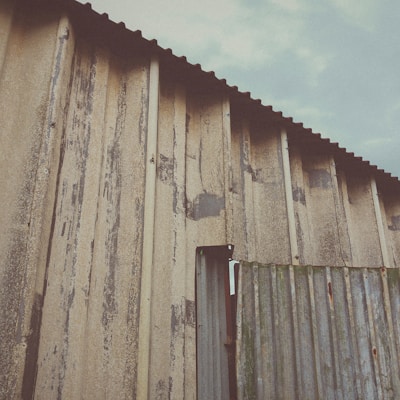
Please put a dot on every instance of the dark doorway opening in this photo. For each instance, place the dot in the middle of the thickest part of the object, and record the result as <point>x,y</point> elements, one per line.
<point>216,302</point>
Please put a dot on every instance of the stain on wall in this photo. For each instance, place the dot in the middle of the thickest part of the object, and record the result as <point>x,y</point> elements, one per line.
<point>319,178</point>
<point>395,226</point>
<point>205,205</point>
<point>299,195</point>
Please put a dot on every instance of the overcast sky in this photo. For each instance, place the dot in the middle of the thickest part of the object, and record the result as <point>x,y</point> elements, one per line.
<point>332,64</point>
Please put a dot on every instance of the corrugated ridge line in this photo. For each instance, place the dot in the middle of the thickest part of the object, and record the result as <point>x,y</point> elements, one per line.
<point>351,319</point>
<point>297,127</point>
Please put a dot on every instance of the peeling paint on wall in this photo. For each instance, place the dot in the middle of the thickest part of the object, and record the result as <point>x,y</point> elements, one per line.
<point>165,169</point>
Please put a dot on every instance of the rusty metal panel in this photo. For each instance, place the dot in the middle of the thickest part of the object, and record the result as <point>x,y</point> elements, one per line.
<point>318,332</point>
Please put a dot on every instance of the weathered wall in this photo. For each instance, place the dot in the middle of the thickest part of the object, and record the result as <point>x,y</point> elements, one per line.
<point>318,332</point>
<point>97,274</point>
<point>30,108</point>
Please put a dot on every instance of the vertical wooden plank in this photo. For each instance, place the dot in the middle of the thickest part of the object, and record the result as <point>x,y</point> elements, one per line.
<point>205,180</point>
<point>321,198</point>
<point>148,234</point>
<point>257,337</point>
<point>305,243</point>
<point>319,390</point>
<point>205,202</point>
<point>330,290</point>
<point>344,351</point>
<point>268,187</point>
<point>393,288</point>
<point>322,312</point>
<point>30,126</point>
<point>244,234</point>
<point>390,334</point>
<point>167,358</point>
<point>363,333</point>
<point>297,328</point>
<point>375,367</point>
<point>164,311</point>
<point>69,256</point>
<point>306,385</point>
<point>360,216</point>
<point>181,364</point>
<point>391,205</point>
<point>111,337</point>
<point>358,389</point>
<point>267,332</point>
<point>384,352</point>
<point>247,374</point>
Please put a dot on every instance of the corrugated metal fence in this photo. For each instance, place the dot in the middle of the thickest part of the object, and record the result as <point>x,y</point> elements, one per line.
<point>318,332</point>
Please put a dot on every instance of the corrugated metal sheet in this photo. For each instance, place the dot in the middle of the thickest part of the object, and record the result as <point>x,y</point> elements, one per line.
<point>83,309</point>
<point>318,332</point>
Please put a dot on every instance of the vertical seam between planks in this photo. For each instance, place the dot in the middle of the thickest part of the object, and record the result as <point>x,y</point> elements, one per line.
<point>289,198</point>
<point>226,128</point>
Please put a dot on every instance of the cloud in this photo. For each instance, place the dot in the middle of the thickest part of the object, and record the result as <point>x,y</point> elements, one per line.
<point>316,62</point>
<point>227,33</point>
<point>359,12</point>
<point>289,5</point>
<point>392,116</point>
<point>378,141</point>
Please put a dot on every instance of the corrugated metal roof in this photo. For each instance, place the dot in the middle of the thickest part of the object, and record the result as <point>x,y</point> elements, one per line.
<point>318,332</point>
<point>296,130</point>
